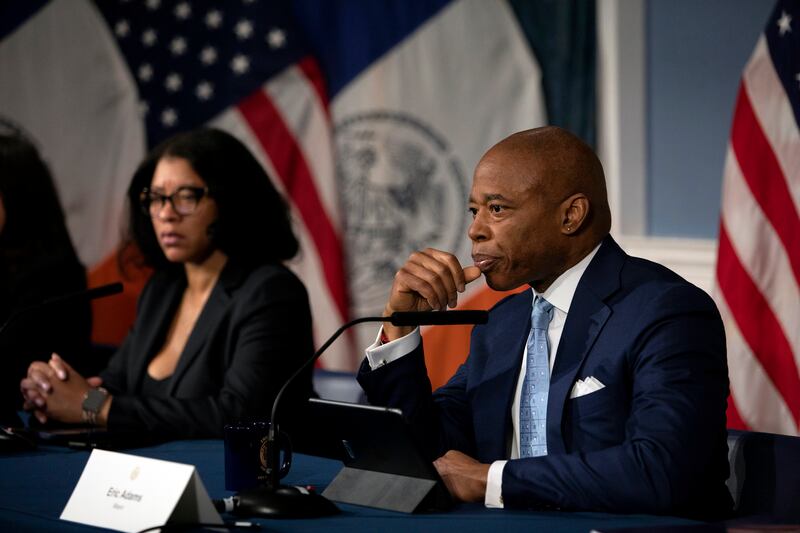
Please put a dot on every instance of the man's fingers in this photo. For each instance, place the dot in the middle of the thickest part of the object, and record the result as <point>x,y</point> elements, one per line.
<point>461,276</point>
<point>94,381</point>
<point>443,271</point>
<point>443,468</point>
<point>450,262</point>
<point>430,279</point>
<point>422,288</point>
<point>464,476</point>
<point>471,273</point>
<point>439,289</point>
<point>438,273</point>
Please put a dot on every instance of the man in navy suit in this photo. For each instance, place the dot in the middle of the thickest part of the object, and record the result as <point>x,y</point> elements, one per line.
<point>625,411</point>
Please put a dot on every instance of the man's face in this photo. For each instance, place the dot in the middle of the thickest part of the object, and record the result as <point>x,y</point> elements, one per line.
<point>516,225</point>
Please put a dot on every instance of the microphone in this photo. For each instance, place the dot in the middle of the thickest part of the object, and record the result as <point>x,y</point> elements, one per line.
<point>438,318</point>
<point>86,294</point>
<point>281,501</point>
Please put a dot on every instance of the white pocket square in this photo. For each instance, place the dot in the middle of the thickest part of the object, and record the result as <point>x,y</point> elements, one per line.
<point>586,386</point>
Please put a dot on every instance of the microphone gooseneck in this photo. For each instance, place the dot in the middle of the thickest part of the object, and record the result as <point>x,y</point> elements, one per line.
<point>438,318</point>
<point>279,501</point>
<point>313,358</point>
<point>399,318</point>
<point>87,294</point>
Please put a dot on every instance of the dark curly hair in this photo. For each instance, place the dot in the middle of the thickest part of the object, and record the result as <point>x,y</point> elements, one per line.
<point>247,202</point>
<point>35,222</point>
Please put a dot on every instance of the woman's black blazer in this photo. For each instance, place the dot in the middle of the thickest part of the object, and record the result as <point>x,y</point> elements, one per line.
<point>252,334</point>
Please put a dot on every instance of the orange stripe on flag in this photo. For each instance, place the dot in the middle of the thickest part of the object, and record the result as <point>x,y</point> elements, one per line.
<point>113,316</point>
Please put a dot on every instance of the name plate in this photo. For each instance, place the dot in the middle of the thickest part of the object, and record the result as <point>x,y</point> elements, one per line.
<point>130,493</point>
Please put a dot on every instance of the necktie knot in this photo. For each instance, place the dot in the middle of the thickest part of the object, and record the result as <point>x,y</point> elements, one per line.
<point>542,313</point>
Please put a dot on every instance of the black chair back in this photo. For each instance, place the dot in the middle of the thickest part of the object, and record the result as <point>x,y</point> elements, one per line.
<point>765,474</point>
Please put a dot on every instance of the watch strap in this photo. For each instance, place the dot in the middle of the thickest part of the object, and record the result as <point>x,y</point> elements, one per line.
<point>93,401</point>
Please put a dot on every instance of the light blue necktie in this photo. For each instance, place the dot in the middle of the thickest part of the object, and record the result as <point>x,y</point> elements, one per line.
<point>535,387</point>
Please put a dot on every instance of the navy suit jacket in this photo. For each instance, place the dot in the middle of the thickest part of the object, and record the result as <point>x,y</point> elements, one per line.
<point>652,441</point>
<point>252,334</point>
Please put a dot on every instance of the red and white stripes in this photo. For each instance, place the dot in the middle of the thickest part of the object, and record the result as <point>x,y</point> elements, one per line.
<point>758,268</point>
<point>287,125</point>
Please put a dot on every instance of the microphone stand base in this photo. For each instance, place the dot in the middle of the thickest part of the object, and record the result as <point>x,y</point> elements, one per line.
<point>283,502</point>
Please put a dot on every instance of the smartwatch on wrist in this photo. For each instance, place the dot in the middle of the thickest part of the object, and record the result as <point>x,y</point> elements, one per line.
<point>93,401</point>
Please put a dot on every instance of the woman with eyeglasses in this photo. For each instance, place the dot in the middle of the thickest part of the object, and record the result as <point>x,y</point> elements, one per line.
<point>220,326</point>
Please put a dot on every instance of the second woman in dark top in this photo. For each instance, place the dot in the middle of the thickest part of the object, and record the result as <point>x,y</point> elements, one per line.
<point>37,263</point>
<point>221,325</point>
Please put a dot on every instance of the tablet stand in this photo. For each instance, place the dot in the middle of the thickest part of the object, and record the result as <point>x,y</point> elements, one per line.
<point>387,491</point>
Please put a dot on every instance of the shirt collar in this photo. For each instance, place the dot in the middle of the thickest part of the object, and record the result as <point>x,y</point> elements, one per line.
<point>562,290</point>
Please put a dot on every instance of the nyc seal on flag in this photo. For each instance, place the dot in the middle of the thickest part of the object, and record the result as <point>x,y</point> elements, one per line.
<point>403,189</point>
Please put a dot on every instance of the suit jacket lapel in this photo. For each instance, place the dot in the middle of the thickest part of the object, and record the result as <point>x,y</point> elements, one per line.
<point>160,310</point>
<point>506,340</point>
<point>587,315</point>
<point>215,308</point>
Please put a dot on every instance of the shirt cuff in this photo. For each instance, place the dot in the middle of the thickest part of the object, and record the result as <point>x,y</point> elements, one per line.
<point>382,354</point>
<point>494,485</point>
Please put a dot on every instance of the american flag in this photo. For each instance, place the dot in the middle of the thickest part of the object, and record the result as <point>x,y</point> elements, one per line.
<point>758,267</point>
<point>415,99</point>
<point>243,66</point>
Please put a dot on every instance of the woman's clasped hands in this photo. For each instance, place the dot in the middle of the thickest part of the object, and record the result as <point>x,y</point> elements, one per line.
<point>55,391</point>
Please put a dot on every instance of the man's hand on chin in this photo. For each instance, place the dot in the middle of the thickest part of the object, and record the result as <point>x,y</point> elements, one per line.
<point>464,477</point>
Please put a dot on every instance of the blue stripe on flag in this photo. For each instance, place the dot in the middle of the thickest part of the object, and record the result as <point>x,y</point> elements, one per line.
<point>14,14</point>
<point>784,49</point>
<point>347,36</point>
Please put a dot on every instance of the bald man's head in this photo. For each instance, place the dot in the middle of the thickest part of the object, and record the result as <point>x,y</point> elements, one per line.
<point>559,164</point>
<point>540,205</point>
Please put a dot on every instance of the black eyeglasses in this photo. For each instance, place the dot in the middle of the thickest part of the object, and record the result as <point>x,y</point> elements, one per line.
<point>184,201</point>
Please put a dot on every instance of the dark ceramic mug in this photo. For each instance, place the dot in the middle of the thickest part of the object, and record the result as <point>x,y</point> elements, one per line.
<point>246,454</point>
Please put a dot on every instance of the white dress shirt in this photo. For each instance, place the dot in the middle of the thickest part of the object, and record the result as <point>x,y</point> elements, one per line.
<point>560,294</point>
